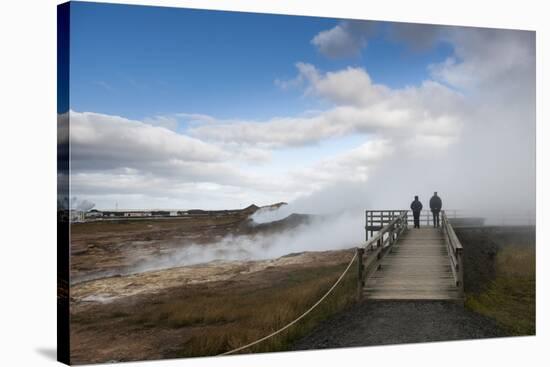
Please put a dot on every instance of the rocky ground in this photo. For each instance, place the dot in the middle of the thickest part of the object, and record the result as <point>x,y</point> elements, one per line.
<point>397,322</point>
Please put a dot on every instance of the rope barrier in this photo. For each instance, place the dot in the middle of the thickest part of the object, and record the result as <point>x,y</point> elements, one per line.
<point>298,318</point>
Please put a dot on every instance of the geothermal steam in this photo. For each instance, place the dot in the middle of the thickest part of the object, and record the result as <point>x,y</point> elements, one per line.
<point>320,233</point>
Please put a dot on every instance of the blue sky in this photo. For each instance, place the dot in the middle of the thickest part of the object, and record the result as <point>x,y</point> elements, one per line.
<point>138,61</point>
<point>180,108</point>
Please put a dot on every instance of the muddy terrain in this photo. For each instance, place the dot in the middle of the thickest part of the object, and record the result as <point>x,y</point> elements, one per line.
<point>122,310</point>
<point>177,312</point>
<point>120,247</point>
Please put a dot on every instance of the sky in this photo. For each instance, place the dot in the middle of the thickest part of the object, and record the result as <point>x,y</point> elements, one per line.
<point>180,108</point>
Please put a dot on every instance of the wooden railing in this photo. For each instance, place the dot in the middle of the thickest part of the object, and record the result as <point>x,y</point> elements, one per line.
<point>386,226</point>
<point>455,251</point>
<point>390,224</point>
<point>377,219</point>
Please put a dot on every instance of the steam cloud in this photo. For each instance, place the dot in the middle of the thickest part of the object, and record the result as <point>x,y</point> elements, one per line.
<point>331,232</point>
<point>81,205</point>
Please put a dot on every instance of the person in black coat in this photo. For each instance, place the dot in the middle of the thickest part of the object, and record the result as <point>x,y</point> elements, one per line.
<point>435,206</point>
<point>416,207</point>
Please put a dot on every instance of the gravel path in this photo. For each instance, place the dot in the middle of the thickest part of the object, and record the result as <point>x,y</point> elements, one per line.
<point>394,322</point>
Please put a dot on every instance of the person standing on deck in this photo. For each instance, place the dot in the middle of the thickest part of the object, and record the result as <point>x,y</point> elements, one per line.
<point>435,206</point>
<point>416,207</point>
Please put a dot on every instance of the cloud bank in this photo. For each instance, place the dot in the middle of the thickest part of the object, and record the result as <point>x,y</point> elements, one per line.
<point>467,131</point>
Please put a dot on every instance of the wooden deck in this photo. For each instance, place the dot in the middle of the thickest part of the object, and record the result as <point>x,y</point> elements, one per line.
<point>417,268</point>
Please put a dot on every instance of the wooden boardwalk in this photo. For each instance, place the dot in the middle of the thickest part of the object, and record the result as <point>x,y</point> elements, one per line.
<point>418,267</point>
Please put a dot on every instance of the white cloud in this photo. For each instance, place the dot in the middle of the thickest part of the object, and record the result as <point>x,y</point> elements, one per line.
<point>349,37</point>
<point>338,42</point>
<point>359,107</point>
<point>195,118</point>
<point>346,39</point>
<point>97,138</point>
<point>483,57</point>
<point>167,122</point>
<point>468,131</point>
<point>350,86</point>
<point>114,155</point>
<point>352,166</point>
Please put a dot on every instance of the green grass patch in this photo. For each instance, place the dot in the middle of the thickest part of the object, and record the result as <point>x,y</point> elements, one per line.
<point>509,298</point>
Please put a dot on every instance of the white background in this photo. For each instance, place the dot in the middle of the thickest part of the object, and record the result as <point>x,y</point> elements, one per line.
<point>28,183</point>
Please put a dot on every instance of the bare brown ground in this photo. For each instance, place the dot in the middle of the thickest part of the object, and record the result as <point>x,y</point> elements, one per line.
<point>102,248</point>
<point>180,312</point>
<point>203,309</point>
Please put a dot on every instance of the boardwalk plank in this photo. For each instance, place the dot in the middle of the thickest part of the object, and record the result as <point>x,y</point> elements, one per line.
<point>417,268</point>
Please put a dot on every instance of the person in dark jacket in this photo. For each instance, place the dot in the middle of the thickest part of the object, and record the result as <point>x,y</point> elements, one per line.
<point>416,207</point>
<point>435,206</point>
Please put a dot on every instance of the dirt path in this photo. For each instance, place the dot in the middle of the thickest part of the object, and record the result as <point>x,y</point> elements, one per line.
<point>395,322</point>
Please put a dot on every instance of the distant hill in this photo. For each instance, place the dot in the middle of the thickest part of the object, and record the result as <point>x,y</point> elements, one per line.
<point>274,206</point>
<point>251,209</point>
<point>292,221</point>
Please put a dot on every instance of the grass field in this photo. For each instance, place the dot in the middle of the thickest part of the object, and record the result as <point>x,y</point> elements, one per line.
<point>234,320</point>
<point>212,318</point>
<point>508,295</point>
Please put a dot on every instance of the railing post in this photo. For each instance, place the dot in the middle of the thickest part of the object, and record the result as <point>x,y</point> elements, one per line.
<point>366,225</point>
<point>391,232</point>
<point>460,274</point>
<point>360,272</point>
<point>427,218</point>
<point>371,223</point>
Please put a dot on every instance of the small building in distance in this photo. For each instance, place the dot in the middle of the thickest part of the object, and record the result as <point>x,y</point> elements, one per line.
<point>94,213</point>
<point>138,214</point>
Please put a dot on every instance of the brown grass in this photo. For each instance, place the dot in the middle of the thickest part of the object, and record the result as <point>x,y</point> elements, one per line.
<point>121,226</point>
<point>230,320</point>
